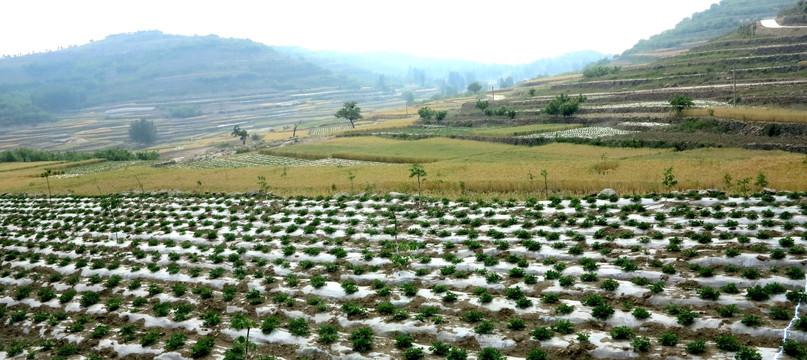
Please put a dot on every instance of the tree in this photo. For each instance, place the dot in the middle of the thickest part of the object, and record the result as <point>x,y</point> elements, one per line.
<point>143,131</point>
<point>482,104</point>
<point>668,180</point>
<point>418,171</point>
<point>564,105</point>
<point>240,322</point>
<point>680,103</point>
<point>240,133</point>
<point>440,115</point>
<point>46,174</point>
<point>474,87</point>
<point>351,112</point>
<point>426,113</point>
<point>409,97</point>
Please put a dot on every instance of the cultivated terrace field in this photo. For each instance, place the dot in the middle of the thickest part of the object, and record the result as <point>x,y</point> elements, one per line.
<point>159,275</point>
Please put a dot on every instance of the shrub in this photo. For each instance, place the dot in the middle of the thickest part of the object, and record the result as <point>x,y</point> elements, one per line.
<point>640,313</point>
<point>622,333</point>
<point>602,312</point>
<point>490,353</point>
<point>686,317</point>
<point>728,310</point>
<point>486,327</point>
<point>175,341</point>
<point>668,339</point>
<point>403,341</point>
<point>727,343</point>
<point>516,324</point>
<point>270,324</point>
<point>298,327</point>
<point>150,338</point>
<point>362,339</point>
<point>708,293</point>
<point>439,348</point>
<point>536,354</point>
<point>751,320</point>
<point>696,347</point>
<point>413,353</point>
<point>457,354</point>
<point>641,344</point>
<point>563,327</point>
<point>203,347</point>
<point>542,333</point>
<point>609,285</point>
<point>747,353</point>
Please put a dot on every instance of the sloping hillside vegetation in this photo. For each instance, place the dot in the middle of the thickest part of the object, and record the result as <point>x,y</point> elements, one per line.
<point>703,26</point>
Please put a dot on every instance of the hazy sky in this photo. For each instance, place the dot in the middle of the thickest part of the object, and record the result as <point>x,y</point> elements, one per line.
<point>501,31</point>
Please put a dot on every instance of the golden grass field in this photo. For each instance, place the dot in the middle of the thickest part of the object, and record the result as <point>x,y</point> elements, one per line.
<point>461,168</point>
<point>752,114</point>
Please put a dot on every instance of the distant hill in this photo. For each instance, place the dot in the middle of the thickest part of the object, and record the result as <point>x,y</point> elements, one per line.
<point>717,21</point>
<point>399,68</point>
<point>149,66</point>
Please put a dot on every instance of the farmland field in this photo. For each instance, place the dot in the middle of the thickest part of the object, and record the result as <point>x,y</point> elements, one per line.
<point>178,276</point>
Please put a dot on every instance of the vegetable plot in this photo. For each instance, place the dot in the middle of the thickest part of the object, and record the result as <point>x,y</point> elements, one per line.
<point>231,276</point>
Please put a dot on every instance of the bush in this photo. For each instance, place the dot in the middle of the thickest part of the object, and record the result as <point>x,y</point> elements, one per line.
<point>203,347</point>
<point>298,327</point>
<point>270,324</point>
<point>490,353</point>
<point>728,310</point>
<point>668,339</point>
<point>403,341</point>
<point>457,354</point>
<point>564,105</point>
<point>602,312</point>
<point>727,343</point>
<point>328,334</point>
<point>413,353</point>
<point>542,333</point>
<point>609,285</point>
<point>175,341</point>
<point>696,347</point>
<point>362,339</point>
<point>641,344</point>
<point>640,313</point>
<point>150,338</point>
<point>751,320</point>
<point>439,348</point>
<point>708,293</point>
<point>536,354</point>
<point>622,333</point>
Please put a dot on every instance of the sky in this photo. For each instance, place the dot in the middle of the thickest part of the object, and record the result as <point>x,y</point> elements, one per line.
<point>501,31</point>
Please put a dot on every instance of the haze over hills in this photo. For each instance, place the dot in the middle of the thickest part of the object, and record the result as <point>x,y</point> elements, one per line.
<point>218,81</point>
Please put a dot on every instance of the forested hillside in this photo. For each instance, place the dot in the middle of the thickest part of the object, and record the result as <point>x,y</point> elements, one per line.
<point>148,66</point>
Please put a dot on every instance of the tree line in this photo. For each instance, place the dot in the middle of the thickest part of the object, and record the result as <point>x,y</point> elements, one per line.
<point>116,154</point>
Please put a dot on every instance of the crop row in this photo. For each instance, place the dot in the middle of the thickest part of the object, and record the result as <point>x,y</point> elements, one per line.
<point>401,276</point>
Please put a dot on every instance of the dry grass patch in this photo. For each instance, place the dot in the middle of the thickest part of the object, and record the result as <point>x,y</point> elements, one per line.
<point>753,114</point>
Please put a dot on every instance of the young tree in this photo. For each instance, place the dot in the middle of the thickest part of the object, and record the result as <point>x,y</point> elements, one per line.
<point>668,180</point>
<point>418,171</point>
<point>143,131</point>
<point>474,87</point>
<point>426,113</point>
<point>351,112</point>
<point>46,174</point>
<point>440,115</point>
<point>240,133</point>
<point>240,322</point>
<point>680,103</point>
<point>564,105</point>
